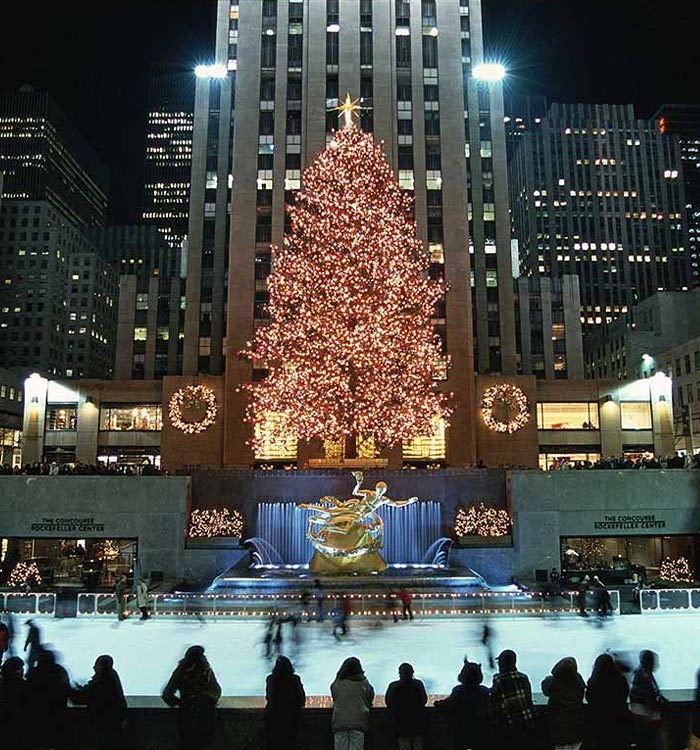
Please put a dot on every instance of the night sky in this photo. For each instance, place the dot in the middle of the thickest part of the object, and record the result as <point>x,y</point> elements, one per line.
<point>93,56</point>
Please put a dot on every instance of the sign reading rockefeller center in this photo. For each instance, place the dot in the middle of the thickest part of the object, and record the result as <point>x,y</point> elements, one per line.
<point>629,523</point>
<point>79,525</point>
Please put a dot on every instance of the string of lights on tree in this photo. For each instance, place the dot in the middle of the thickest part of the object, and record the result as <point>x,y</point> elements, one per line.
<point>193,409</point>
<point>481,520</point>
<point>23,574</point>
<point>215,522</point>
<point>350,348</point>
<point>505,408</point>
<point>675,571</point>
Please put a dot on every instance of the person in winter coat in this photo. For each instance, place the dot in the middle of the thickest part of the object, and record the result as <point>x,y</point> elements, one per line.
<point>48,690</point>
<point>646,702</point>
<point>32,644</point>
<point>583,587</point>
<point>468,705</point>
<point>142,598</point>
<point>352,700</point>
<point>285,701</point>
<point>565,689</point>
<point>14,704</point>
<point>406,598</point>
<point>106,705</point>
<point>694,737</point>
<point>193,689</point>
<point>406,699</point>
<point>606,693</point>
<point>511,701</point>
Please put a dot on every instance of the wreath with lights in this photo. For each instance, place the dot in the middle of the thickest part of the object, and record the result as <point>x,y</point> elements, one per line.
<point>507,398</point>
<point>193,409</point>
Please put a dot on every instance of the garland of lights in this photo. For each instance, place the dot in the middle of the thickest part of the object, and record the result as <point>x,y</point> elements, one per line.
<point>480,520</point>
<point>24,573</point>
<point>215,522</point>
<point>193,396</point>
<point>676,571</point>
<point>513,398</point>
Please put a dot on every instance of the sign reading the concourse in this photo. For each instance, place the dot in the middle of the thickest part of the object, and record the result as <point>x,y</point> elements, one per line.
<point>629,522</point>
<point>69,525</point>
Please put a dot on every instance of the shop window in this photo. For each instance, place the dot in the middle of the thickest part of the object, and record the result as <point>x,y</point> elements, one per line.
<point>131,417</point>
<point>61,417</point>
<point>555,460</point>
<point>635,415</point>
<point>568,416</point>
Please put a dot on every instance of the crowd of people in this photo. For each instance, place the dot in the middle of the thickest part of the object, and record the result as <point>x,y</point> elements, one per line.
<point>54,468</point>
<point>645,461</point>
<point>618,707</point>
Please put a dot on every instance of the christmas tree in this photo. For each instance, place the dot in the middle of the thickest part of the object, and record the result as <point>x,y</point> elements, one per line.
<point>350,348</point>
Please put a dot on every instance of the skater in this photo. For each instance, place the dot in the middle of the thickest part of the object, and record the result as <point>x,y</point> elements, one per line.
<point>120,594</point>
<point>106,705</point>
<point>487,640</point>
<point>304,605</point>
<point>277,638</point>
<point>352,700</point>
<point>285,700</point>
<point>468,707</point>
<point>33,643</point>
<point>583,587</point>
<point>646,702</point>
<point>602,598</point>
<point>606,693</point>
<point>390,606</point>
<point>48,690</point>
<point>565,689</point>
<point>318,596</point>
<point>267,640</point>
<point>341,617</point>
<point>554,582</point>
<point>142,598</point>
<point>194,690</point>
<point>511,700</point>
<point>406,699</point>
<point>406,598</point>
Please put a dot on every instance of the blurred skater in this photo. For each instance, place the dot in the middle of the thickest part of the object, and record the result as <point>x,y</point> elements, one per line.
<point>341,617</point>
<point>318,596</point>
<point>583,587</point>
<point>142,598</point>
<point>32,644</point>
<point>487,642</point>
<point>120,591</point>
<point>602,598</point>
<point>406,598</point>
<point>269,633</point>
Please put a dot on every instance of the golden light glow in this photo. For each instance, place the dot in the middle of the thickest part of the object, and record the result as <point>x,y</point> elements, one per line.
<point>193,409</point>
<point>350,348</point>
<point>348,108</point>
<point>675,571</point>
<point>505,408</point>
<point>272,443</point>
<point>24,573</point>
<point>215,522</point>
<point>480,520</point>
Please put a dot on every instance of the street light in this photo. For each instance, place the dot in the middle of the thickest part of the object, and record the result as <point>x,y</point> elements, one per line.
<point>490,72</point>
<point>210,71</point>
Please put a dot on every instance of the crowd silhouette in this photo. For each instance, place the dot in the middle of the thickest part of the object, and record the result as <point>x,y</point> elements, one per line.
<point>79,469</point>
<point>615,709</point>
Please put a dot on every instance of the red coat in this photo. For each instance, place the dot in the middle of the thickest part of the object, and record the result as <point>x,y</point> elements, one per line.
<point>405,597</point>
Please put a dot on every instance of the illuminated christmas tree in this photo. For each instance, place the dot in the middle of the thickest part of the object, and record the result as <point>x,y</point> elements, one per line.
<point>350,348</point>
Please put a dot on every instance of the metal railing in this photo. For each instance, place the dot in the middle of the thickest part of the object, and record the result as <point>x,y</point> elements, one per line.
<point>653,601</point>
<point>20,603</point>
<point>364,605</point>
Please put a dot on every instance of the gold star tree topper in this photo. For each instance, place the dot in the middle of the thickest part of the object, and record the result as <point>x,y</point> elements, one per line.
<point>348,108</point>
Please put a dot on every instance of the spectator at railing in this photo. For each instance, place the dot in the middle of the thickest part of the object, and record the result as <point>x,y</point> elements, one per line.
<point>565,689</point>
<point>468,707</point>
<point>48,689</point>
<point>104,698</point>
<point>352,700</point>
<point>606,693</point>
<point>194,690</point>
<point>511,698</point>
<point>694,736</point>
<point>406,699</point>
<point>646,702</point>
<point>14,704</point>
<point>285,700</point>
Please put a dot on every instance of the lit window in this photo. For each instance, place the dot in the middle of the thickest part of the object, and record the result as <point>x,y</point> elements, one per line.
<point>140,333</point>
<point>635,415</point>
<point>567,416</point>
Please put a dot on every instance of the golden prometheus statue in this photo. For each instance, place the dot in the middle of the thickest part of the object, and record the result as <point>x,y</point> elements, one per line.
<point>347,535</point>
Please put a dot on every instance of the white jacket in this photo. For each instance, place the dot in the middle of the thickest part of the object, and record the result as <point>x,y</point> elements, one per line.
<point>352,700</point>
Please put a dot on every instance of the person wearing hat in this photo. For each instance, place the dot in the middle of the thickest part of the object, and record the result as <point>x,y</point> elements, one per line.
<point>468,707</point>
<point>511,701</point>
<point>406,699</point>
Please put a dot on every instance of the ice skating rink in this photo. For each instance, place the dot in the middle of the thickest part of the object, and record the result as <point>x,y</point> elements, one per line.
<point>146,652</point>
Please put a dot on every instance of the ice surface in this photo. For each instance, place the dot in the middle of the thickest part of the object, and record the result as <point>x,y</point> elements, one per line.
<point>146,652</point>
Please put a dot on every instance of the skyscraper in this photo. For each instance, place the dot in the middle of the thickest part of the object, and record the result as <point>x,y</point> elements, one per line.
<point>597,193</point>
<point>54,316</point>
<point>169,153</point>
<point>683,121</point>
<point>264,109</point>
